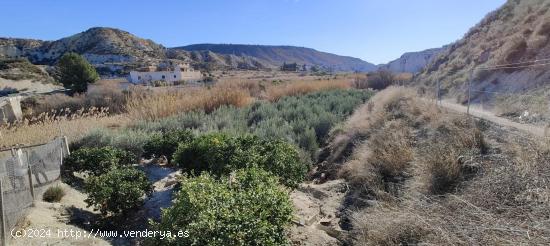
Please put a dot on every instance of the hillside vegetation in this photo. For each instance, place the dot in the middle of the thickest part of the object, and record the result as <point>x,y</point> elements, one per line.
<point>517,33</point>
<point>419,174</point>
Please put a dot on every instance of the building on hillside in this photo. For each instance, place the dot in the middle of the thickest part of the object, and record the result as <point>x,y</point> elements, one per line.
<point>10,109</point>
<point>175,73</point>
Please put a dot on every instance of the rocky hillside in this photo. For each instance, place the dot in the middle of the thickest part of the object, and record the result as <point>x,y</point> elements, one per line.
<point>115,52</point>
<point>412,62</point>
<point>275,56</point>
<point>517,34</point>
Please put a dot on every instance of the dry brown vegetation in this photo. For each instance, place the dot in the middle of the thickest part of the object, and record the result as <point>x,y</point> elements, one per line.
<point>148,105</point>
<point>421,175</point>
<point>107,105</point>
<point>74,127</point>
<point>102,95</point>
<point>152,105</point>
<point>273,93</point>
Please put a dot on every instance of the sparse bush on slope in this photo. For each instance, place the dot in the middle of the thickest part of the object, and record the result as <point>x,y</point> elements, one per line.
<point>422,175</point>
<point>247,208</point>
<point>53,194</point>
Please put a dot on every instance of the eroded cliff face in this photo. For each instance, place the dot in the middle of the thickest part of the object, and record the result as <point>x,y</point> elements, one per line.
<point>412,62</point>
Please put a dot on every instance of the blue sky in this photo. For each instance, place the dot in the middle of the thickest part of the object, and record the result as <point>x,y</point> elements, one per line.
<point>374,30</point>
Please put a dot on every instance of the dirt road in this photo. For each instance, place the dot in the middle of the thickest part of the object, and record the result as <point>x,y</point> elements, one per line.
<point>486,115</point>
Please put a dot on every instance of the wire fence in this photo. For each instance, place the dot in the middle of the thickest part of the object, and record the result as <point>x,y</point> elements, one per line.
<point>25,173</point>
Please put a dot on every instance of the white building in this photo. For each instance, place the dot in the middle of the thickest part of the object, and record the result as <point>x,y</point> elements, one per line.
<point>178,73</point>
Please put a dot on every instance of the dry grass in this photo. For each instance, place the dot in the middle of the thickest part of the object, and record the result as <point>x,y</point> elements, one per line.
<point>74,127</point>
<point>102,95</point>
<point>153,105</point>
<point>402,141</point>
<point>426,176</point>
<point>149,105</point>
<point>303,87</point>
<point>51,116</point>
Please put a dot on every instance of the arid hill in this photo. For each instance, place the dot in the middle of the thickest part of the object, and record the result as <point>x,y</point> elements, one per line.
<point>275,56</point>
<point>516,34</point>
<point>115,52</point>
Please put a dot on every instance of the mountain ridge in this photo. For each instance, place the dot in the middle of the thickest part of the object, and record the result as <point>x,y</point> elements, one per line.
<point>114,51</point>
<point>276,55</point>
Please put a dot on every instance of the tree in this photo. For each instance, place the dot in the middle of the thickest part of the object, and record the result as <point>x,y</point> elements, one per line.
<point>75,73</point>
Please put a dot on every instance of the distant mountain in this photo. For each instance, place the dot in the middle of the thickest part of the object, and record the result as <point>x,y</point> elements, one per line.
<point>116,52</point>
<point>517,34</point>
<point>275,56</point>
<point>412,62</point>
<point>98,45</point>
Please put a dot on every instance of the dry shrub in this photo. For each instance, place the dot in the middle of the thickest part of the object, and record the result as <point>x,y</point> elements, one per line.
<point>543,28</point>
<point>104,95</point>
<point>255,88</point>
<point>149,105</point>
<point>381,164</point>
<point>514,48</point>
<point>74,127</point>
<point>387,226</point>
<point>296,88</point>
<point>440,157</point>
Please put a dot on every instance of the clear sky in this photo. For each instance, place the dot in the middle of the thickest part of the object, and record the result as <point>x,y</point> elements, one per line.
<point>374,30</point>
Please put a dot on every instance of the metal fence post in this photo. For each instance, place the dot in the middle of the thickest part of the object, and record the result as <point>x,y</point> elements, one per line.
<point>2,214</point>
<point>31,183</point>
<point>66,145</point>
<point>470,90</point>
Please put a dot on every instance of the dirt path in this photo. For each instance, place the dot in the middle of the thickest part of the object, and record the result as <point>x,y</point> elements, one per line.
<point>490,116</point>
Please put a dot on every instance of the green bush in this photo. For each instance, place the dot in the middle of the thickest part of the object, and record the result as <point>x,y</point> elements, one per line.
<point>118,191</point>
<point>53,194</point>
<point>95,161</point>
<point>166,143</point>
<point>220,154</point>
<point>247,209</point>
<point>303,120</point>
<point>131,140</point>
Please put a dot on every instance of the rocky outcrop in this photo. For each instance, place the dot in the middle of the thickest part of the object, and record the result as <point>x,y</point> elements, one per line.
<point>412,62</point>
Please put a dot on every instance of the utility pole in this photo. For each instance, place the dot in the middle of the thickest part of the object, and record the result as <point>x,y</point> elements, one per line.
<point>437,92</point>
<point>3,217</point>
<point>470,90</point>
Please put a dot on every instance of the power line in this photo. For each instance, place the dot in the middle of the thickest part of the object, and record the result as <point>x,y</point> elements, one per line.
<point>513,94</point>
<point>511,67</point>
<point>519,63</point>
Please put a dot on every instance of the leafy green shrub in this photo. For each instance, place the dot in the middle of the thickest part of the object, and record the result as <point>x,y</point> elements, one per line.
<point>95,161</point>
<point>53,194</point>
<point>118,191</point>
<point>247,209</point>
<point>166,143</point>
<point>220,154</point>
